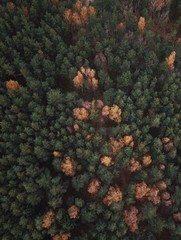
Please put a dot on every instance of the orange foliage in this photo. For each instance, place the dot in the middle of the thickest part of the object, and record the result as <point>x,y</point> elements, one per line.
<point>78,80</point>
<point>86,76</point>
<point>48,219</point>
<point>170,60</point>
<point>68,167</point>
<point>128,141</point>
<point>141,190</point>
<point>114,113</point>
<point>81,114</point>
<point>120,26</point>
<point>57,154</point>
<point>114,195</point>
<point>149,193</point>
<point>168,144</point>
<point>94,186</point>
<point>132,218</point>
<point>147,160</point>
<point>79,15</point>
<point>12,85</point>
<point>117,145</point>
<point>77,6</point>
<point>90,73</point>
<point>84,14</point>
<point>141,24</point>
<point>73,212</point>
<point>91,10</point>
<point>165,139</point>
<point>134,166</point>
<point>61,236</point>
<point>68,15</point>
<point>76,19</point>
<point>152,195</point>
<point>106,161</point>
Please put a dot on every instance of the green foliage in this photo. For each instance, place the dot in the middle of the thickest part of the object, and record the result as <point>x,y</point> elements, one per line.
<point>39,130</point>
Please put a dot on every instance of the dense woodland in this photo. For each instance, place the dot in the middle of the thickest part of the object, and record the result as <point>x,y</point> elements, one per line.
<point>90,144</point>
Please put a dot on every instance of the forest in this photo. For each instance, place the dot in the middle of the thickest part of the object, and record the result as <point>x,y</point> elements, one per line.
<point>90,113</point>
